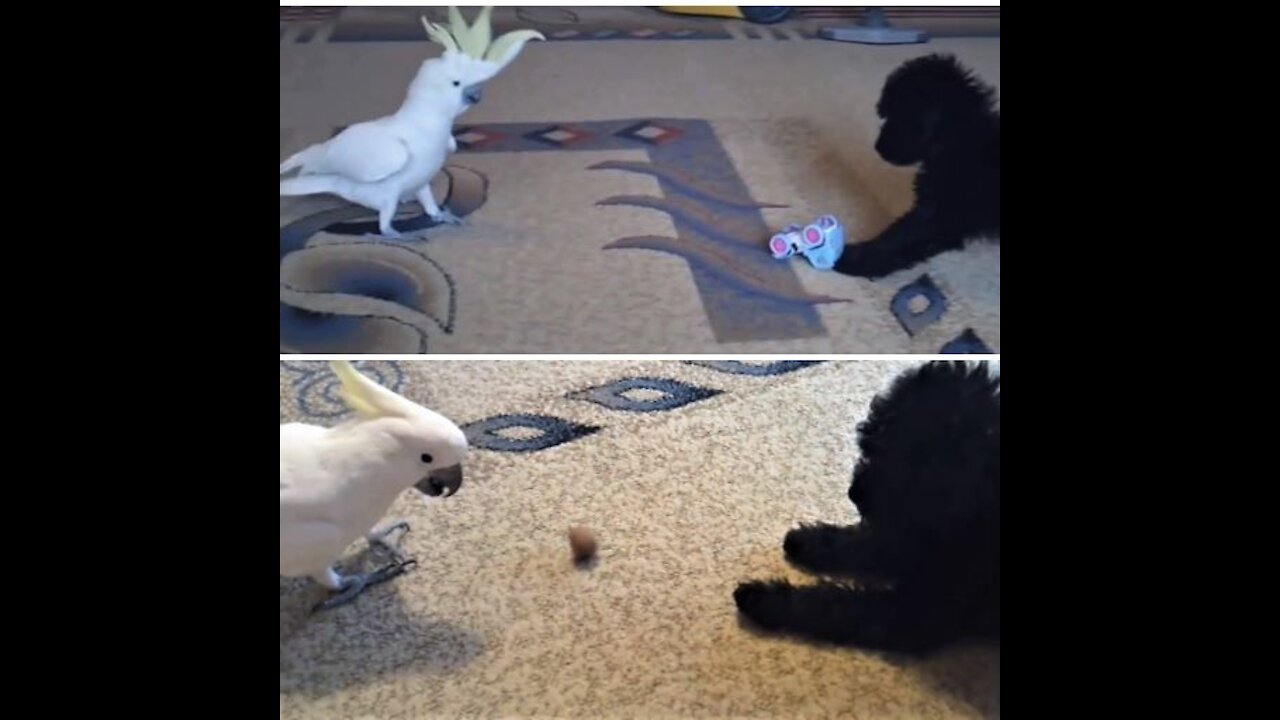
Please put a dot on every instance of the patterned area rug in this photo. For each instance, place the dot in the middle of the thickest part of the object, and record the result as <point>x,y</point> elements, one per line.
<point>689,472</point>
<point>619,197</point>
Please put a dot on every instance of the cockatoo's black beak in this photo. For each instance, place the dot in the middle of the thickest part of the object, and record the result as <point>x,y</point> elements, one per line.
<point>473,93</point>
<point>444,481</point>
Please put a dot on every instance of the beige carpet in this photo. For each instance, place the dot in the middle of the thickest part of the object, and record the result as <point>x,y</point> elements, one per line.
<point>559,254</point>
<point>687,501</point>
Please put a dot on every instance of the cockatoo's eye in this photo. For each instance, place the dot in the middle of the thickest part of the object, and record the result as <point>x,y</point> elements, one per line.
<point>457,83</point>
<point>426,458</point>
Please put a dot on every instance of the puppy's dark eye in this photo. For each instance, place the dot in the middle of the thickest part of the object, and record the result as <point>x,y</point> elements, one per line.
<point>456,83</point>
<point>426,458</point>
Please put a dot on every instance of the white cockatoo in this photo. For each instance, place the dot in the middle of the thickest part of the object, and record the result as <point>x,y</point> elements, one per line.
<point>336,484</point>
<point>381,163</point>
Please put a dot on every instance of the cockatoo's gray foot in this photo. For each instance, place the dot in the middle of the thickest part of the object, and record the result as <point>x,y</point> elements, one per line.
<point>385,215</point>
<point>446,217</point>
<point>354,585</point>
<point>434,211</point>
<point>381,540</point>
<point>397,235</point>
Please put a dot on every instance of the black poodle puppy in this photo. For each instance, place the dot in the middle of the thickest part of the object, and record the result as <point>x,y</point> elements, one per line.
<point>927,550</point>
<point>937,114</point>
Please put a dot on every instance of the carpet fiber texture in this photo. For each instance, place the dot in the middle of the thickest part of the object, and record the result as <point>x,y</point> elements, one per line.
<point>690,474</point>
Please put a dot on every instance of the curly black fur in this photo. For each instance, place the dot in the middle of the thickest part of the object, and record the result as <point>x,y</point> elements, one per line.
<point>937,114</point>
<point>927,551</point>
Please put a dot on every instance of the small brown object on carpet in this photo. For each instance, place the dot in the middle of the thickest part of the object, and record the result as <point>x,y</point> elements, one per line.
<point>583,543</point>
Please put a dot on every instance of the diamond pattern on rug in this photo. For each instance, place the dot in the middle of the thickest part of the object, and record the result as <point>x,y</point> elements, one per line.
<point>650,132</point>
<point>525,432</point>
<point>559,136</point>
<point>758,369</point>
<point>644,394</point>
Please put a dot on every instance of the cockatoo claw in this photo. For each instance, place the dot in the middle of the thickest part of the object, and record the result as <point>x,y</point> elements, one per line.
<point>355,585</point>
<point>446,217</point>
<point>381,540</point>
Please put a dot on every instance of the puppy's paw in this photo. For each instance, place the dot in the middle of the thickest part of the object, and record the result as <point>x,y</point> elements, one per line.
<point>765,603</point>
<point>861,261</point>
<point>814,546</point>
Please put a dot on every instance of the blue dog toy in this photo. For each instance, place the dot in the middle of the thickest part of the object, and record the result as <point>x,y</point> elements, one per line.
<point>821,242</point>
